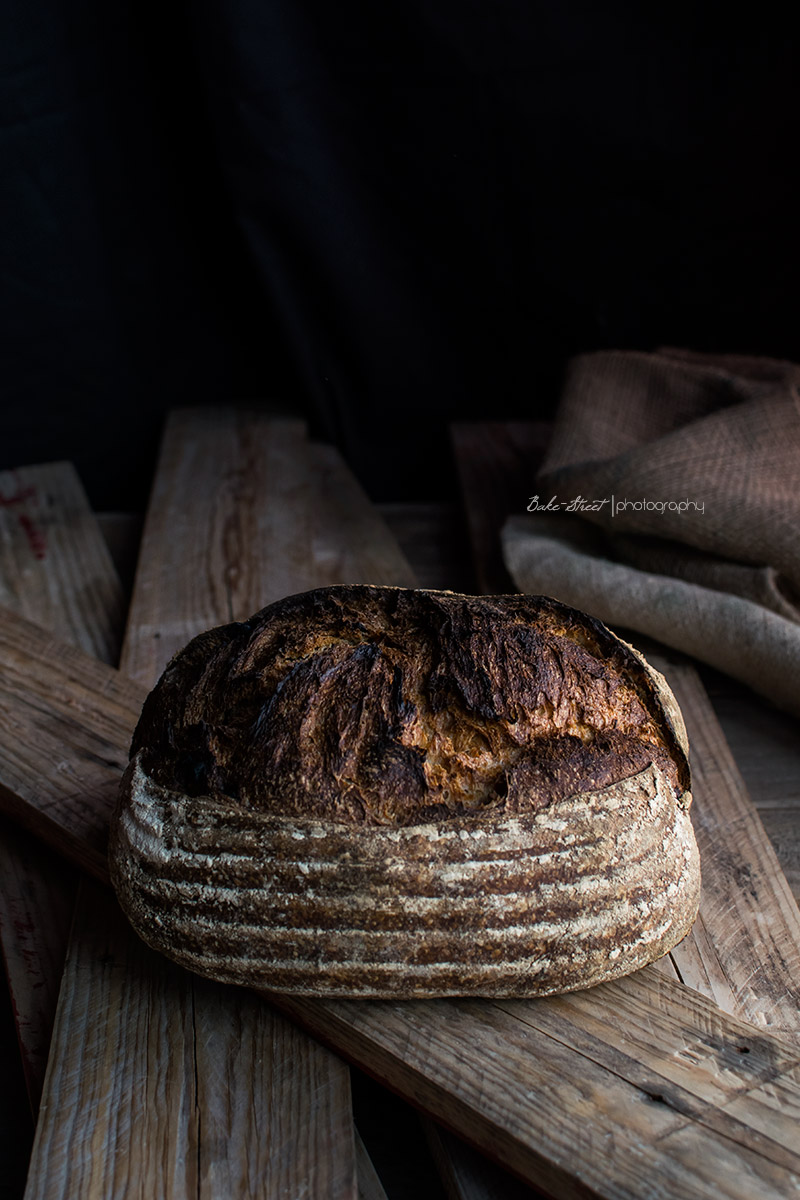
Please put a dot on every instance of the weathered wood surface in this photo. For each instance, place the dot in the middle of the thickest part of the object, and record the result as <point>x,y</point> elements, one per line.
<point>55,569</point>
<point>37,897</point>
<point>766,747</point>
<point>605,1089</point>
<point>68,720</point>
<point>577,1101</point>
<point>345,539</point>
<point>744,950</point>
<point>169,1131</point>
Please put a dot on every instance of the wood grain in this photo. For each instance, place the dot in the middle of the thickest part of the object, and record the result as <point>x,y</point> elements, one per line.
<point>68,720</point>
<point>299,509</point>
<point>599,1090</point>
<point>276,1107</point>
<point>37,899</point>
<point>167,1129</point>
<point>633,1106</point>
<point>745,948</point>
<point>223,487</point>
<point>767,752</point>
<point>55,569</point>
<point>88,1107</point>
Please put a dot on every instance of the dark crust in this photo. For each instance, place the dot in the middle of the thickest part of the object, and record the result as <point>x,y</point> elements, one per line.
<point>393,706</point>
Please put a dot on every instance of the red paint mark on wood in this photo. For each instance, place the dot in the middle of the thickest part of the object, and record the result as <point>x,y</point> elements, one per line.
<point>18,497</point>
<point>35,536</point>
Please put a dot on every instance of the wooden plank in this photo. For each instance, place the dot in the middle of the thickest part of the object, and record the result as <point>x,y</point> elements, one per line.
<point>347,540</point>
<point>87,1105</point>
<point>305,523</point>
<point>251,470</point>
<point>218,504</point>
<point>591,1113</point>
<point>497,463</point>
<point>767,752</point>
<point>68,720</point>
<point>168,1130</point>
<point>56,570</point>
<point>747,936</point>
<point>744,950</point>
<point>350,541</point>
<point>276,1108</point>
<point>244,537</point>
<point>36,903</point>
<point>256,514</point>
<point>565,1090</point>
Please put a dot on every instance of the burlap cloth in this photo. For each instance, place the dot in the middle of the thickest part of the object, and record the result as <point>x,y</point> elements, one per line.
<point>692,466</point>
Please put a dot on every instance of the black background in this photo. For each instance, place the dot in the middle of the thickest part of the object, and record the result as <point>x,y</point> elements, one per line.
<point>383,216</point>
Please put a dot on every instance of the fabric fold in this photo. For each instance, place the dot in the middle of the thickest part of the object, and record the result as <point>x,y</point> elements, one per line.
<point>737,636</point>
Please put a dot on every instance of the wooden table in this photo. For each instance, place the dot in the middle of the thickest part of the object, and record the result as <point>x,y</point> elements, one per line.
<point>434,549</point>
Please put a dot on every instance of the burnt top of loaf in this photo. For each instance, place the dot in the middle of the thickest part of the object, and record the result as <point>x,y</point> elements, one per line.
<point>393,706</point>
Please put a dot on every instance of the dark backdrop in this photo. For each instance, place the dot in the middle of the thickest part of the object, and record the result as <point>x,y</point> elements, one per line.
<point>386,215</point>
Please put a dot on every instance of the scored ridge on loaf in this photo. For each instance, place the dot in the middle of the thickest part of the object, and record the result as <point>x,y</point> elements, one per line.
<point>367,791</point>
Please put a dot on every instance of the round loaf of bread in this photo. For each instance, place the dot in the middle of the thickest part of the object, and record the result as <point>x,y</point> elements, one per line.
<point>389,792</point>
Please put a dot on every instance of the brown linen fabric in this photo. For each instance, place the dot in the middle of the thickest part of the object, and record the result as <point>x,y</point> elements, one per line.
<point>720,434</point>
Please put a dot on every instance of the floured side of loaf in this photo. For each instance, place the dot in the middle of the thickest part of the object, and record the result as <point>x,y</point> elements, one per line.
<point>596,886</point>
